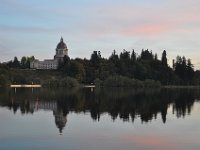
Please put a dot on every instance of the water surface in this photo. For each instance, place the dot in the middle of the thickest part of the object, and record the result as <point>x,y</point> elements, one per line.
<point>81,119</point>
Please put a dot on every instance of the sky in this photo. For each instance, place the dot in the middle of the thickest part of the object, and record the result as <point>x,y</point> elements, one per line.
<point>34,27</point>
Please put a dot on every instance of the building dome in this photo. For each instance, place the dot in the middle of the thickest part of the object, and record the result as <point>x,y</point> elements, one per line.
<point>61,51</point>
<point>61,44</point>
<point>60,120</point>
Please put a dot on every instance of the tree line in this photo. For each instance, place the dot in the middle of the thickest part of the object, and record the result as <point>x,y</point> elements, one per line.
<point>24,63</point>
<point>143,66</point>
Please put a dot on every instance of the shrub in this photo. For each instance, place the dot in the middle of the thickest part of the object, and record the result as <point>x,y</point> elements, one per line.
<point>121,81</point>
<point>67,82</point>
<point>118,81</point>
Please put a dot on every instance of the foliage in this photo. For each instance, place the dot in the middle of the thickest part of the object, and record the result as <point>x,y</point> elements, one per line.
<point>23,64</point>
<point>126,65</point>
<point>164,58</point>
<point>74,68</point>
<point>121,81</point>
<point>66,82</point>
<point>3,80</point>
<point>184,70</point>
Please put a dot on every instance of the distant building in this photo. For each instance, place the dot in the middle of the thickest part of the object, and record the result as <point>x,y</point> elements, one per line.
<point>61,52</point>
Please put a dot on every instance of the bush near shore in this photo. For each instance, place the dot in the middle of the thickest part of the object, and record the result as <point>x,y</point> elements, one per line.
<point>67,82</point>
<point>47,78</point>
<point>122,81</point>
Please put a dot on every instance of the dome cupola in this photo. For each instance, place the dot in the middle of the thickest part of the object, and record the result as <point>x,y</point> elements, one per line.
<point>61,44</point>
<point>61,51</point>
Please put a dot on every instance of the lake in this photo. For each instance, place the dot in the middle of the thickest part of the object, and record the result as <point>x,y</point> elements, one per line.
<point>100,119</point>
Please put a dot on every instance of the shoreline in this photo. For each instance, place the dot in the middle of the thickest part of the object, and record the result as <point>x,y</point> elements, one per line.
<point>93,86</point>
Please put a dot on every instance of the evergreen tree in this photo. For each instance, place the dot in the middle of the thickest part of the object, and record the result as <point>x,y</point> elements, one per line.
<point>164,58</point>
<point>29,59</point>
<point>156,57</point>
<point>190,70</point>
<point>133,56</point>
<point>15,63</point>
<point>114,63</point>
<point>125,55</point>
<point>146,55</point>
<point>184,69</point>
<point>76,70</point>
<point>96,59</point>
<point>114,57</point>
<point>23,62</point>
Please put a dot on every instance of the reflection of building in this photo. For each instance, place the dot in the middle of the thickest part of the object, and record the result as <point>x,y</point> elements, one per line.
<point>60,118</point>
<point>61,52</point>
<point>45,105</point>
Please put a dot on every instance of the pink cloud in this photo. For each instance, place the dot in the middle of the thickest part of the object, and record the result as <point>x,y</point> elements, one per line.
<point>151,141</point>
<point>142,20</point>
<point>148,29</point>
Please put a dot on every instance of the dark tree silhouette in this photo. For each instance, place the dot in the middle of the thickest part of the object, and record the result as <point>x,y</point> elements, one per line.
<point>164,58</point>
<point>15,63</point>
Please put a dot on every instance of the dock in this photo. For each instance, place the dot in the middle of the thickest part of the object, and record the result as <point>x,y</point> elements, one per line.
<point>89,86</point>
<point>25,86</point>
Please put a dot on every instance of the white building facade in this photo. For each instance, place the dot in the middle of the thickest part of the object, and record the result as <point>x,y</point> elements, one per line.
<point>52,64</point>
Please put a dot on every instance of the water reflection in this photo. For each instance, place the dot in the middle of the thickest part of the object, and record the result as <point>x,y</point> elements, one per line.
<point>126,104</point>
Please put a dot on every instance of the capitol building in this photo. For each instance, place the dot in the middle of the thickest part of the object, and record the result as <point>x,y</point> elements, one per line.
<point>61,52</point>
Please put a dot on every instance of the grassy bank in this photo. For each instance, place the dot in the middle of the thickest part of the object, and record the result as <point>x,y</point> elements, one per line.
<point>55,79</point>
<point>46,78</point>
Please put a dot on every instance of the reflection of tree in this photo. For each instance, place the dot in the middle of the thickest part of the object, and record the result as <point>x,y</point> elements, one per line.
<point>183,105</point>
<point>126,104</point>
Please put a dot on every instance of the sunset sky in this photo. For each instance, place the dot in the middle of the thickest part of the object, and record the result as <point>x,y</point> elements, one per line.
<point>34,27</point>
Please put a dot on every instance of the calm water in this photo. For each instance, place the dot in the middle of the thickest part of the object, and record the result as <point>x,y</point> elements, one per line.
<point>109,119</point>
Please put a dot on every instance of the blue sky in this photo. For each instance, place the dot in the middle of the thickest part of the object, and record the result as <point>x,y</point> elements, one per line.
<point>34,27</point>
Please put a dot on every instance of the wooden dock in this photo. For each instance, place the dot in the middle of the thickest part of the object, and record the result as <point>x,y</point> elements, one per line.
<point>25,86</point>
<point>89,86</point>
